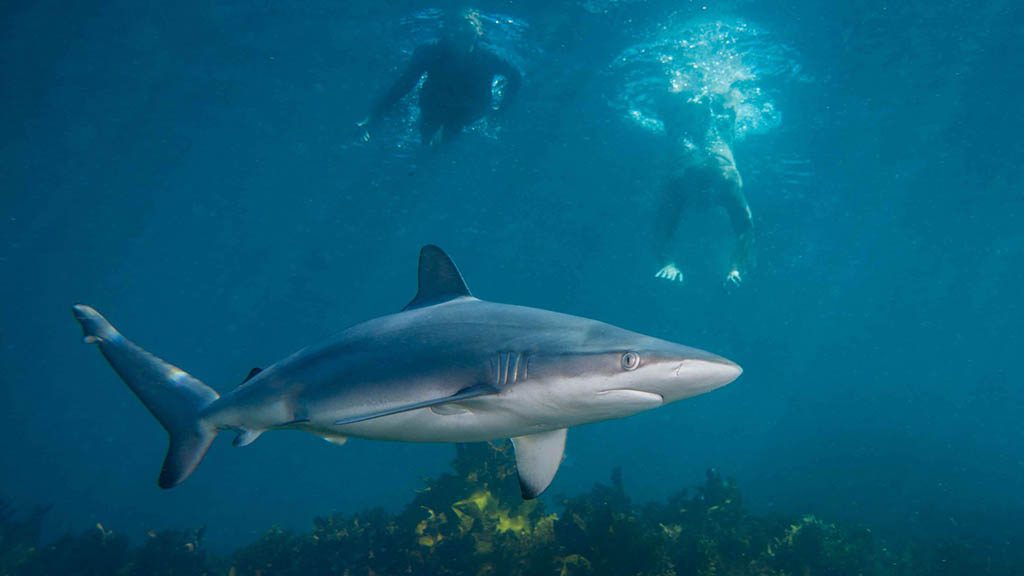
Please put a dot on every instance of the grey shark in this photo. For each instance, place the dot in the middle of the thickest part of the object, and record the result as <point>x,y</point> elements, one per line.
<point>447,368</point>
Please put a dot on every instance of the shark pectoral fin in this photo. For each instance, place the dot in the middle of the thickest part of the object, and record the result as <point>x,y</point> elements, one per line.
<point>537,459</point>
<point>474,391</point>
<point>246,437</point>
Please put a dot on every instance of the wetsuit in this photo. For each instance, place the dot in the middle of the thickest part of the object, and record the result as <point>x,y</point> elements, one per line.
<point>457,90</point>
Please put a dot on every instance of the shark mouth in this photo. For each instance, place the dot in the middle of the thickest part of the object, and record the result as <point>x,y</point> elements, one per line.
<point>633,398</point>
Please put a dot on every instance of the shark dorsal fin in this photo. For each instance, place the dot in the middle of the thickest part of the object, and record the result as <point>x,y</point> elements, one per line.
<point>439,279</point>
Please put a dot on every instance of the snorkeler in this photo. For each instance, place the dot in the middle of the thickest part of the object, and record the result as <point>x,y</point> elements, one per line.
<point>458,88</point>
<point>701,130</point>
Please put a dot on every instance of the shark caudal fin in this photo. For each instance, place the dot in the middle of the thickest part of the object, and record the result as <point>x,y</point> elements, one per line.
<point>174,397</point>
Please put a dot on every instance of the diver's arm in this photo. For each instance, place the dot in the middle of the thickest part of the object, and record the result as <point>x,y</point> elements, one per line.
<point>406,82</point>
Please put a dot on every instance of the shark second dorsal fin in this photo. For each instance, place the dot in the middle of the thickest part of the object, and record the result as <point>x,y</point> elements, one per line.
<point>439,279</point>
<point>252,373</point>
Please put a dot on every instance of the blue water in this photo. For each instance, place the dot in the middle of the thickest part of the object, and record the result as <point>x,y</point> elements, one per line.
<point>191,170</point>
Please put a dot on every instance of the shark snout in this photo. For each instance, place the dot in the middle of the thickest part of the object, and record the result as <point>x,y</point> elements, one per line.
<point>710,373</point>
<point>699,375</point>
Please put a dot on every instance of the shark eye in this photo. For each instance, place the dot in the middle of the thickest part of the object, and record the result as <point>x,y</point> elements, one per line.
<point>630,361</point>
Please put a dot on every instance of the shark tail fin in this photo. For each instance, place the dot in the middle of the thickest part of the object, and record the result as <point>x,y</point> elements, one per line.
<point>173,396</point>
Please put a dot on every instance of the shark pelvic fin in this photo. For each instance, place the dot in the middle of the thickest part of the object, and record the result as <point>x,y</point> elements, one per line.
<point>537,459</point>
<point>336,439</point>
<point>246,437</point>
<point>439,279</point>
<point>464,394</point>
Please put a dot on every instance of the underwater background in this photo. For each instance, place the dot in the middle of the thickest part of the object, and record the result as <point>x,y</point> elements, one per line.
<point>191,169</point>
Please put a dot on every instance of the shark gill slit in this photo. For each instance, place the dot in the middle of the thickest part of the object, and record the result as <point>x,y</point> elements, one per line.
<point>515,372</point>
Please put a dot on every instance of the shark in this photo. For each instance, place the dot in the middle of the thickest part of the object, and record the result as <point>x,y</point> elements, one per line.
<point>448,367</point>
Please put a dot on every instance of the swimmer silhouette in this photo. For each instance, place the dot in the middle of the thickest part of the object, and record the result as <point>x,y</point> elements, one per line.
<point>701,130</point>
<point>457,90</point>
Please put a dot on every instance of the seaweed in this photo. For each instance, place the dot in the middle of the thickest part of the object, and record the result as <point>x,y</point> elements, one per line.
<point>94,552</point>
<point>170,552</point>
<point>708,532</point>
<point>18,536</point>
<point>600,532</point>
<point>276,552</point>
<point>472,521</point>
<point>475,522</point>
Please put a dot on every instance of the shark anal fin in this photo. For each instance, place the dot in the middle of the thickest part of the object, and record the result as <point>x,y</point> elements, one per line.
<point>474,391</point>
<point>439,279</point>
<point>252,373</point>
<point>537,459</point>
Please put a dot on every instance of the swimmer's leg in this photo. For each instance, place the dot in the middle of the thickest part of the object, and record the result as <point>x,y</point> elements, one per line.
<point>431,121</point>
<point>439,124</point>
<point>735,204</point>
<point>447,133</point>
<point>430,131</point>
<point>676,196</point>
<point>452,125</point>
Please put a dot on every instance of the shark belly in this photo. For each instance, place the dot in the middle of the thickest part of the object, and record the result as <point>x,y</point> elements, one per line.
<point>478,420</point>
<point>508,415</point>
<point>425,425</point>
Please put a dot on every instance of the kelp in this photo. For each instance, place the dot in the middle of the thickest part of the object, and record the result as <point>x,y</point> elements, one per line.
<point>472,521</point>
